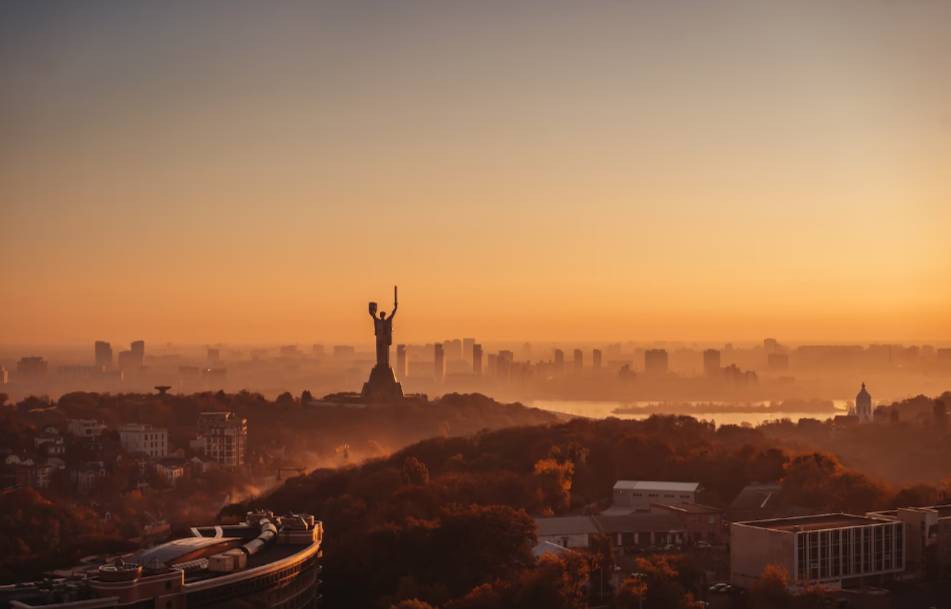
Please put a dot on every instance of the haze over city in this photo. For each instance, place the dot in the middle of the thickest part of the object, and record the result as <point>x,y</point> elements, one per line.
<point>535,171</point>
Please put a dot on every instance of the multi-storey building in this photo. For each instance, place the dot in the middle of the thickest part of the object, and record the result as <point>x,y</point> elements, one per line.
<point>145,439</point>
<point>224,437</point>
<point>833,550</point>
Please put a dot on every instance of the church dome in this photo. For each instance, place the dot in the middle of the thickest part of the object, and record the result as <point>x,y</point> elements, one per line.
<point>863,393</point>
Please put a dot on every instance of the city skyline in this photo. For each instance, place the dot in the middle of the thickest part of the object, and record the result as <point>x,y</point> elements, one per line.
<point>723,171</point>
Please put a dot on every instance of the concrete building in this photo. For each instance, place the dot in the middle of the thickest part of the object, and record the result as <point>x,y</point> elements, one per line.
<point>145,439</point>
<point>711,363</point>
<point>4,376</point>
<point>928,539</point>
<point>578,359</point>
<point>559,359</point>
<point>138,352</point>
<point>701,522</point>
<point>596,358</point>
<point>401,369</point>
<point>655,361</point>
<point>467,345</point>
<point>31,368</point>
<point>224,437</point>
<point>103,355</point>
<point>777,362</point>
<point>477,359</point>
<point>835,550</point>
<point>504,364</point>
<point>639,495</point>
<point>439,362</point>
<point>85,428</point>
<point>566,531</point>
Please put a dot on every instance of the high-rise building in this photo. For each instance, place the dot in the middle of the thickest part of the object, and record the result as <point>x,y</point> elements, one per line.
<point>31,368</point>
<point>504,363</point>
<point>596,356</point>
<point>454,349</point>
<point>400,363</point>
<point>214,356</point>
<point>863,405</point>
<point>224,437</point>
<point>655,361</point>
<point>559,359</point>
<point>439,361</point>
<point>477,359</point>
<point>467,344</point>
<point>492,364</point>
<point>126,360</point>
<point>4,376</point>
<point>711,362</point>
<point>138,352</point>
<point>578,359</point>
<point>103,354</point>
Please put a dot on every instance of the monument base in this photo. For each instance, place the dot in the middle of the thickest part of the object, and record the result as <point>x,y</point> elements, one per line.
<point>382,386</point>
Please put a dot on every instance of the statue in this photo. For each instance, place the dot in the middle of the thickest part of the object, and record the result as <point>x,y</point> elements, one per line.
<point>383,328</point>
<point>382,385</point>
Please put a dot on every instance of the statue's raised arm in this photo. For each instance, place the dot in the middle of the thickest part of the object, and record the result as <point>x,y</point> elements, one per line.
<point>373,310</point>
<point>395,303</point>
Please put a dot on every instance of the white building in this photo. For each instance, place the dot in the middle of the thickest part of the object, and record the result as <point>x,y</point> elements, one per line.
<point>145,439</point>
<point>566,531</point>
<point>224,437</point>
<point>639,495</point>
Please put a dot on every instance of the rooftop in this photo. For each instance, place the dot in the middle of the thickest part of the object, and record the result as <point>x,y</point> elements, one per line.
<point>814,522</point>
<point>565,525</point>
<point>655,485</point>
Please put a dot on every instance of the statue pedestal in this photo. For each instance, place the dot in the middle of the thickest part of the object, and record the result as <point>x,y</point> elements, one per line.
<point>382,386</point>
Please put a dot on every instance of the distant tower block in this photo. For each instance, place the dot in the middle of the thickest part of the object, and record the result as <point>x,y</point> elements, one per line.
<point>401,362</point>
<point>578,359</point>
<point>559,359</point>
<point>467,345</point>
<point>439,361</point>
<point>655,361</point>
<point>477,359</point>
<point>596,357</point>
<point>711,362</point>
<point>863,405</point>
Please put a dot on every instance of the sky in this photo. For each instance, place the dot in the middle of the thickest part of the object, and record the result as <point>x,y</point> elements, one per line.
<point>608,170</point>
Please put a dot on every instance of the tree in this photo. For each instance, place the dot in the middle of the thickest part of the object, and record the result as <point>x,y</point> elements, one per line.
<point>415,471</point>
<point>771,590</point>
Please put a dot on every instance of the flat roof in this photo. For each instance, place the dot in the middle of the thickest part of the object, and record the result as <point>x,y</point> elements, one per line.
<point>565,525</point>
<point>656,485</point>
<point>814,522</point>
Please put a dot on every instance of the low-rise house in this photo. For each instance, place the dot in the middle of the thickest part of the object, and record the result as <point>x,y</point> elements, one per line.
<point>566,531</point>
<point>638,495</point>
<point>170,470</point>
<point>85,428</point>
<point>640,531</point>
<point>702,522</point>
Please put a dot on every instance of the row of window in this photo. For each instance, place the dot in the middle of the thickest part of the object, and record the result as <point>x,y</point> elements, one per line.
<point>850,551</point>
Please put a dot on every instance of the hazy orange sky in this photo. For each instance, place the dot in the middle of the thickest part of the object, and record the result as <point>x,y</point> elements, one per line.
<point>257,171</point>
